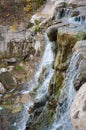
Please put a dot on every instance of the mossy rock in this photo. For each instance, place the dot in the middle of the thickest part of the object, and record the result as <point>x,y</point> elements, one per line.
<point>59,81</point>
<point>45,121</point>
<point>66,39</point>
<point>17,109</point>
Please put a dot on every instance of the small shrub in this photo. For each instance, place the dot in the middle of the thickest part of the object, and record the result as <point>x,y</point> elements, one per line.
<point>36,26</point>
<point>19,68</point>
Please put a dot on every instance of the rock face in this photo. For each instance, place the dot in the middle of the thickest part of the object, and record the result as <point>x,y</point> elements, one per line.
<point>66,39</point>
<point>80,48</point>
<point>15,43</point>
<point>78,109</point>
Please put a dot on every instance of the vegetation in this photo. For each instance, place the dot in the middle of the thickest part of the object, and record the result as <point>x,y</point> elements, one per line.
<point>12,11</point>
<point>27,4</point>
<point>19,68</point>
<point>36,26</point>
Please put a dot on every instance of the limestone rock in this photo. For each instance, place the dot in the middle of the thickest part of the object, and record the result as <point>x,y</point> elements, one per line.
<point>78,110</point>
<point>80,48</point>
<point>66,39</point>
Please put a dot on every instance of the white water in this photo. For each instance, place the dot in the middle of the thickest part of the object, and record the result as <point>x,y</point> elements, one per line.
<point>78,20</point>
<point>42,91</point>
<point>64,12</point>
<point>62,119</point>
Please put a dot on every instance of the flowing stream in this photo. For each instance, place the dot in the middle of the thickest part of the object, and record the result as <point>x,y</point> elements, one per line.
<point>62,120</point>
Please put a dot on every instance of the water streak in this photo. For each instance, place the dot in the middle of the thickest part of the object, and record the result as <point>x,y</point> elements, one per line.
<point>62,119</point>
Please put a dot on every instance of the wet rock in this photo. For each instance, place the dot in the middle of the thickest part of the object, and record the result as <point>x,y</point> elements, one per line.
<point>78,109</point>
<point>80,48</point>
<point>53,30</point>
<point>7,80</point>
<point>75,13</point>
<point>40,102</point>
<point>42,75</point>
<point>52,33</point>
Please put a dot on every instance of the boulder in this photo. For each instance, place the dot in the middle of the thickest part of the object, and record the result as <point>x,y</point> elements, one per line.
<point>52,33</point>
<point>78,109</point>
<point>80,48</point>
<point>7,80</point>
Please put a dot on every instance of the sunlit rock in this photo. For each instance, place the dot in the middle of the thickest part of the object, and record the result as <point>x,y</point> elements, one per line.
<point>78,109</point>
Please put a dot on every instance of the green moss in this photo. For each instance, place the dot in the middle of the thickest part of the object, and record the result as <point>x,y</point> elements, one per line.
<point>66,42</point>
<point>46,120</point>
<point>17,109</point>
<point>36,26</point>
<point>13,128</point>
<point>1,56</point>
<point>81,36</point>
<point>35,89</point>
<point>19,68</point>
<point>8,102</point>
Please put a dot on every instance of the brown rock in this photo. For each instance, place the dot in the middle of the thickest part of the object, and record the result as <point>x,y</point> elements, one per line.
<point>7,80</point>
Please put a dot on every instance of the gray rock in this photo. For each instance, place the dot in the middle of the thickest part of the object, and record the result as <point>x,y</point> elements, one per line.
<point>7,80</point>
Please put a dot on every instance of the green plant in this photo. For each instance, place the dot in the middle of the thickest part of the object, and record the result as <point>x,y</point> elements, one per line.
<point>36,25</point>
<point>17,109</point>
<point>18,67</point>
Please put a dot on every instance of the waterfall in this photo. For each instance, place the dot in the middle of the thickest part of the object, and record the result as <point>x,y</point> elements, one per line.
<point>78,20</point>
<point>63,12</point>
<point>62,119</point>
<point>41,92</point>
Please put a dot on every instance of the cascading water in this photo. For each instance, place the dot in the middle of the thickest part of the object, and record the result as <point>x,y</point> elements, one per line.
<point>61,13</point>
<point>42,88</point>
<point>62,120</point>
<point>78,20</point>
<point>46,63</point>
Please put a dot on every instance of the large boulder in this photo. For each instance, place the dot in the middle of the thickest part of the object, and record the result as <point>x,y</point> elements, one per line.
<point>78,110</point>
